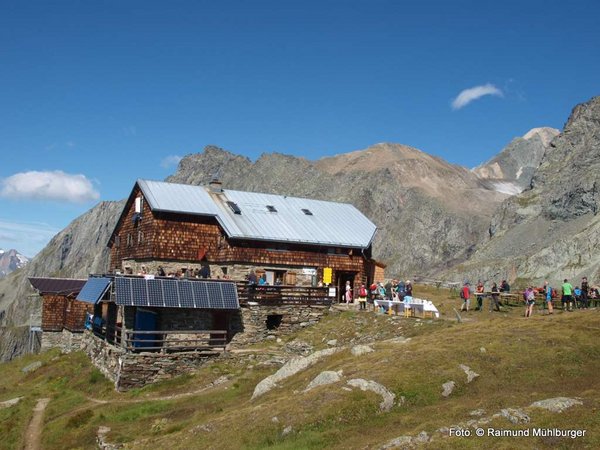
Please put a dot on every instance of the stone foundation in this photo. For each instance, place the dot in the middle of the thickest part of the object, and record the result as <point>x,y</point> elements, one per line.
<point>133,370</point>
<point>293,317</point>
<point>66,340</point>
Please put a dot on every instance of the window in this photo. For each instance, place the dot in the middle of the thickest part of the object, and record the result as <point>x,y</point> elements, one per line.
<point>140,237</point>
<point>307,212</point>
<point>117,241</point>
<point>271,208</point>
<point>129,240</point>
<point>234,207</point>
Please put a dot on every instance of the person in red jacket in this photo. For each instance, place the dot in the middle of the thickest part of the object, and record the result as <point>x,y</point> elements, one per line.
<point>465,294</point>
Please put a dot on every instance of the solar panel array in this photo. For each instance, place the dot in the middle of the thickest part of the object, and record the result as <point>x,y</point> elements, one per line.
<point>94,289</point>
<point>176,293</point>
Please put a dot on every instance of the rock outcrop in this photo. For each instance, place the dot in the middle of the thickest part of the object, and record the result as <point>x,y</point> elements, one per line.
<point>552,230</point>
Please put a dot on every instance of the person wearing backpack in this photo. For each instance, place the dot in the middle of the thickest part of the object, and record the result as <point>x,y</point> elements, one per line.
<point>465,294</point>
<point>529,297</point>
<point>494,299</point>
<point>362,297</point>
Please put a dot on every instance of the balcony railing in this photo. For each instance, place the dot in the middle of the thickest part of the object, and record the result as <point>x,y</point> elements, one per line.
<point>275,295</point>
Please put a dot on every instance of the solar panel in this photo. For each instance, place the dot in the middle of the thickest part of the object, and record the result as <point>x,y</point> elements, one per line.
<point>123,294</point>
<point>155,296</point>
<point>94,289</point>
<point>230,297</point>
<point>201,294</point>
<point>169,291</point>
<point>186,294</point>
<point>215,296</point>
<point>176,293</point>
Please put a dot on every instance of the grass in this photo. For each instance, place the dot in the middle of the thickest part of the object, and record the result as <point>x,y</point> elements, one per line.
<point>524,360</point>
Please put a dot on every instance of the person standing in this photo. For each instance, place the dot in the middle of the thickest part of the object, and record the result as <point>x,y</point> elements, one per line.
<point>548,290</point>
<point>567,295</point>
<point>408,288</point>
<point>494,298</point>
<point>529,301</point>
<point>479,290</point>
<point>362,297</point>
<point>585,289</point>
<point>348,294</point>
<point>465,294</point>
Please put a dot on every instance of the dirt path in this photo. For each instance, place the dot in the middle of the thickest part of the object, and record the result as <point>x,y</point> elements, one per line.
<point>33,436</point>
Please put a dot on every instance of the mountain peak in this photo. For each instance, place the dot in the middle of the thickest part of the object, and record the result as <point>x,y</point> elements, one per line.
<point>546,134</point>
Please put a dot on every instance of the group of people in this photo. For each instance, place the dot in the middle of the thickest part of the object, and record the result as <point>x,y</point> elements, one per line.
<point>393,290</point>
<point>579,296</point>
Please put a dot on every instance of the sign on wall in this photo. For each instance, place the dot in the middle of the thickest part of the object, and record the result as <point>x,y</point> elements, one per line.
<point>327,275</point>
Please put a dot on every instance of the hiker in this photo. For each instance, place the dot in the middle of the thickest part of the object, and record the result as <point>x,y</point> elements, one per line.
<point>529,296</point>
<point>585,290</point>
<point>401,291</point>
<point>549,291</point>
<point>494,298</point>
<point>388,290</point>
<point>408,288</point>
<point>504,286</point>
<point>567,295</point>
<point>465,294</point>
<point>373,296</point>
<point>348,294</point>
<point>160,272</point>
<point>362,297</point>
<point>479,290</point>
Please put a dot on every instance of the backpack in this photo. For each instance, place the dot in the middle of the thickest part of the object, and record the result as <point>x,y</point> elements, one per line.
<point>462,293</point>
<point>363,292</point>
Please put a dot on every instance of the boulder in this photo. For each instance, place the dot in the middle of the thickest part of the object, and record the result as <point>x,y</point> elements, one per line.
<point>557,405</point>
<point>470,374</point>
<point>358,350</point>
<point>373,386</point>
<point>292,367</point>
<point>448,387</point>
<point>324,378</point>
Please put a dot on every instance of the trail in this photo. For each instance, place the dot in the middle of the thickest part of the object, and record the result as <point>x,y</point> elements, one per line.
<point>33,436</point>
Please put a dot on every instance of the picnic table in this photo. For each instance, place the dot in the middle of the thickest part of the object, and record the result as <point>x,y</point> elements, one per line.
<point>416,308</point>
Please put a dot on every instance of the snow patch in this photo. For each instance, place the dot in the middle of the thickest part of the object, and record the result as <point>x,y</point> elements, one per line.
<point>507,187</point>
<point>519,172</point>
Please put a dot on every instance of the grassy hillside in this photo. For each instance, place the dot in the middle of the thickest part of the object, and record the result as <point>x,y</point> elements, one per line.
<point>519,361</point>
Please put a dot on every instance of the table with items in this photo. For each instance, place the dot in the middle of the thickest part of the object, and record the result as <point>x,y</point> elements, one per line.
<point>411,307</point>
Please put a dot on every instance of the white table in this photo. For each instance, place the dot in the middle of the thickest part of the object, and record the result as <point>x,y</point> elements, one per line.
<point>417,305</point>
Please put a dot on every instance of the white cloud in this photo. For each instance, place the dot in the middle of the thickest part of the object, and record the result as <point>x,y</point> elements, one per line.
<point>468,95</point>
<point>171,160</point>
<point>56,185</point>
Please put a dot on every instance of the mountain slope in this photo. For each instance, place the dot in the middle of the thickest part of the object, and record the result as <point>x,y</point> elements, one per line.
<point>553,229</point>
<point>76,251</point>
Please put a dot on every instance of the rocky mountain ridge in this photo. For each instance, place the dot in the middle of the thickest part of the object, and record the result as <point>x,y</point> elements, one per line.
<point>551,230</point>
<point>421,223</point>
<point>512,169</point>
<point>10,261</point>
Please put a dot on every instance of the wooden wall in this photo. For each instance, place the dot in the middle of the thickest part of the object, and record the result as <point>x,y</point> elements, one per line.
<point>60,312</point>
<point>75,314</point>
<point>53,312</point>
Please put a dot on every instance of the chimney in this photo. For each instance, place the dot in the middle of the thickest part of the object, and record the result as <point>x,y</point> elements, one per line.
<point>215,186</point>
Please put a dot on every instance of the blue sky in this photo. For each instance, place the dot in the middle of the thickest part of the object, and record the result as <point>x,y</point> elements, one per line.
<point>96,94</point>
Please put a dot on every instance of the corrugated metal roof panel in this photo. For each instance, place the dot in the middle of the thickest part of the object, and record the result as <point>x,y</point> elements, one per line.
<point>181,198</point>
<point>331,223</point>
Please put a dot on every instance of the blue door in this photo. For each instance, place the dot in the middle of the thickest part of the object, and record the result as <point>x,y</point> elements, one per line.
<point>145,321</point>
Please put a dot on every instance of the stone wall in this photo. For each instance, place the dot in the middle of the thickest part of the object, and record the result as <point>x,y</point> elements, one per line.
<point>65,340</point>
<point>255,320</point>
<point>133,370</point>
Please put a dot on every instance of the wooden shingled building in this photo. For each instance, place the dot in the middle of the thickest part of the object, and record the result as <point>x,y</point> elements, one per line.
<point>289,240</point>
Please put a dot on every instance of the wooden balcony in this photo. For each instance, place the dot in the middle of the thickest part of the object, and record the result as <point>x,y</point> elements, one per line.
<point>282,295</point>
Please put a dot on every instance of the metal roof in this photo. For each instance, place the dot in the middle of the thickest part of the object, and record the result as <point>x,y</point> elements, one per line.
<point>58,286</point>
<point>331,223</point>
<point>179,198</point>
